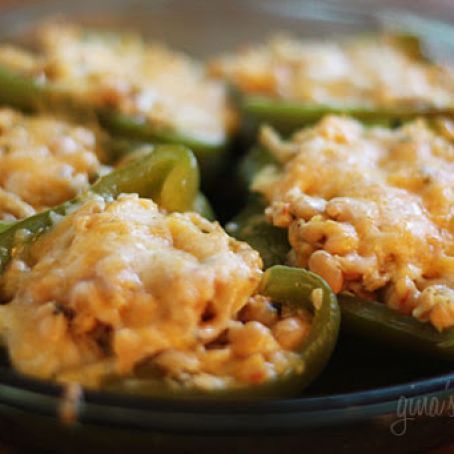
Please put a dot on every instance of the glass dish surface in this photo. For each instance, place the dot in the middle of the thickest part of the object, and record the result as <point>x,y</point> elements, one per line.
<point>363,383</point>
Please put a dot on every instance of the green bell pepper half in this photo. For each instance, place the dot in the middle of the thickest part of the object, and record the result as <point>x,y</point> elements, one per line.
<point>367,319</point>
<point>286,115</point>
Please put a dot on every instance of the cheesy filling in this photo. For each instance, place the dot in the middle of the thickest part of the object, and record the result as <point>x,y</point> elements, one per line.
<point>370,210</point>
<point>116,286</point>
<point>121,72</point>
<point>353,73</point>
<point>43,162</point>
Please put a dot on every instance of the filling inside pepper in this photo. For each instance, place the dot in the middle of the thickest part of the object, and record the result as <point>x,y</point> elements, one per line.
<point>119,286</point>
<point>355,72</point>
<point>121,72</point>
<point>43,162</point>
<point>370,210</point>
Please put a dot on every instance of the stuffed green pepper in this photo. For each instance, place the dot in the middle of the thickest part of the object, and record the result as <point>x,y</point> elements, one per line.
<point>114,291</point>
<point>370,210</point>
<point>378,79</point>
<point>143,91</point>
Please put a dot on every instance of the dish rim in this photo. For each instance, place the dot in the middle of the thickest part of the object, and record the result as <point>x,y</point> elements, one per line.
<point>27,395</point>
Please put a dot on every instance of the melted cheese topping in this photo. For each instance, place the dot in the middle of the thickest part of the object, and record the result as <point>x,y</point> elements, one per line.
<point>115,286</point>
<point>43,162</point>
<point>166,88</point>
<point>370,210</point>
<point>356,72</point>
